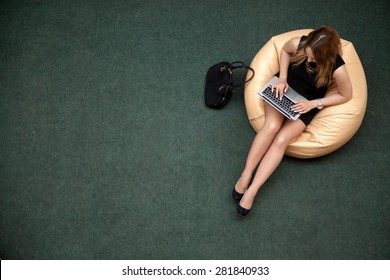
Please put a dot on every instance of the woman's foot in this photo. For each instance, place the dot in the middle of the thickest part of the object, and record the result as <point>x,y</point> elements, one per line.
<point>240,187</point>
<point>242,211</point>
<point>245,204</point>
<point>236,195</point>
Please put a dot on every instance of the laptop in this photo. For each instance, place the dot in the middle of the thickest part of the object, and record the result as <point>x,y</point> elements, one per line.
<point>290,97</point>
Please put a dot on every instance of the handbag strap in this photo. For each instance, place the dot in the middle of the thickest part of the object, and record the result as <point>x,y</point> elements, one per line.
<point>241,65</point>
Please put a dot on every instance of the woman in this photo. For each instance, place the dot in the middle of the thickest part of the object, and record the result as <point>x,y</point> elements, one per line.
<point>309,64</point>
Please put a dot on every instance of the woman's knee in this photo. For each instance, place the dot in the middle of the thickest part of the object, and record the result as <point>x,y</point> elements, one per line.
<point>281,141</point>
<point>271,127</point>
<point>289,131</point>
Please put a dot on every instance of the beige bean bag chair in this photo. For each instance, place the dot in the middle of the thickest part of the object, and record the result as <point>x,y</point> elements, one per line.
<point>333,126</point>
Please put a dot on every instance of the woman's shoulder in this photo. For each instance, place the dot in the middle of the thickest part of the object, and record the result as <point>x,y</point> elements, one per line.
<point>302,40</point>
<point>339,62</point>
<point>292,45</point>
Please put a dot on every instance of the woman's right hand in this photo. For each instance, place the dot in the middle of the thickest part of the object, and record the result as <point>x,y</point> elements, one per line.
<point>280,88</point>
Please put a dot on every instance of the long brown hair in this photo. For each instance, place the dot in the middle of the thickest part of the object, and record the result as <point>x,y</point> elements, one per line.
<point>325,45</point>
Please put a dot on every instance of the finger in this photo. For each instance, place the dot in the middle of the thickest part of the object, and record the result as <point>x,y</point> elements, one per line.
<point>282,90</point>
<point>274,90</point>
<point>296,106</point>
<point>277,92</point>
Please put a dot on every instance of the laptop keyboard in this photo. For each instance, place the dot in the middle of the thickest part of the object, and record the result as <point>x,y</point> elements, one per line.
<point>284,104</point>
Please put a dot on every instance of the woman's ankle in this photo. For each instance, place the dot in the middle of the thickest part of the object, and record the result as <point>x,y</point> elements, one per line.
<point>243,183</point>
<point>246,175</point>
<point>247,200</point>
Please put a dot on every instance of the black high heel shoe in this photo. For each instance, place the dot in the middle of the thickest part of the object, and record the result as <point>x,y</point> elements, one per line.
<point>242,211</point>
<point>236,195</point>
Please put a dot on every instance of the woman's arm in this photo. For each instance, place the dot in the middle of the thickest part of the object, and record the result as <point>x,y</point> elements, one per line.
<point>289,48</point>
<point>344,87</point>
<point>343,95</point>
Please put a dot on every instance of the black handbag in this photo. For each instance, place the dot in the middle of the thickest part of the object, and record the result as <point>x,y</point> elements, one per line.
<point>220,82</point>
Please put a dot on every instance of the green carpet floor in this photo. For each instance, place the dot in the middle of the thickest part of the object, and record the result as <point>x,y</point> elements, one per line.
<point>108,152</point>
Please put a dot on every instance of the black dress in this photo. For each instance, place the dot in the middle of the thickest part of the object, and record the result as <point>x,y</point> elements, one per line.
<point>305,83</point>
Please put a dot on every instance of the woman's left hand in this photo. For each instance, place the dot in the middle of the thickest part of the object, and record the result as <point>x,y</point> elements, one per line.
<point>304,106</point>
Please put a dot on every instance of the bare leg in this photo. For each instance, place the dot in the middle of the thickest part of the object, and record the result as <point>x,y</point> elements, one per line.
<point>274,155</point>
<point>261,143</point>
